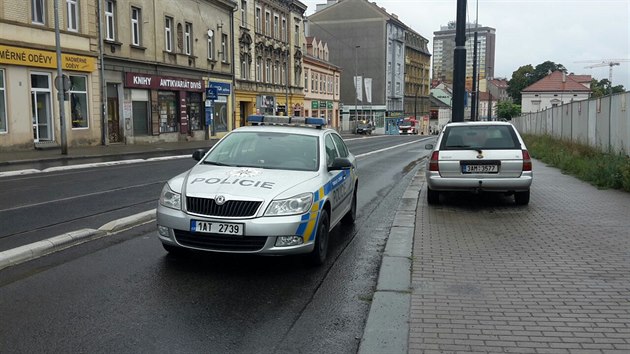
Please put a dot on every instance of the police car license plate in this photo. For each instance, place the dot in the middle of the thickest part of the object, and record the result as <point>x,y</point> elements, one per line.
<point>221,228</point>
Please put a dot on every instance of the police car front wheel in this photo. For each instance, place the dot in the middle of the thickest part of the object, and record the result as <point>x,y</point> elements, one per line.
<point>318,255</point>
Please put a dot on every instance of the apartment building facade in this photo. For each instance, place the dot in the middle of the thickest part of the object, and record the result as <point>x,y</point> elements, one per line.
<point>444,46</point>
<point>417,75</point>
<point>321,83</point>
<point>159,57</point>
<point>29,105</point>
<point>269,37</point>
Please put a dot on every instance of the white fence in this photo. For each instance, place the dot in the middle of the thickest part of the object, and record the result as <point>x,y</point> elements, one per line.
<point>603,123</point>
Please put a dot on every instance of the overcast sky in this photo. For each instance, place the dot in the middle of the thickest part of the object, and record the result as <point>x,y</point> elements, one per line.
<point>533,31</point>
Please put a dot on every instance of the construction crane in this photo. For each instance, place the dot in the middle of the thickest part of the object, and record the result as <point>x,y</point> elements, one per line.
<point>604,62</point>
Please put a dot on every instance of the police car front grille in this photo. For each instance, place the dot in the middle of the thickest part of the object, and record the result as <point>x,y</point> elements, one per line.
<point>231,208</point>
<point>215,242</point>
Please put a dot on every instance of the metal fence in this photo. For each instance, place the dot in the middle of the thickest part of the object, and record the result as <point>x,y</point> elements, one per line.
<point>603,122</point>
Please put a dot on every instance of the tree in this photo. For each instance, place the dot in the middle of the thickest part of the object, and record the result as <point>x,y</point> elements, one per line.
<point>508,109</point>
<point>602,88</point>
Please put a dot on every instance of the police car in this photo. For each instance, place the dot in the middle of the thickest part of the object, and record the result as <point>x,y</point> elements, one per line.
<point>275,187</point>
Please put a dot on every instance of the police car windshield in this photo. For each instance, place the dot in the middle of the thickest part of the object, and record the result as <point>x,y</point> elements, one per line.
<point>273,150</point>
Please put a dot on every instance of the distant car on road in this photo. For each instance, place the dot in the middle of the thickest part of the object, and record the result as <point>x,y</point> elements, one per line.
<point>479,157</point>
<point>364,128</point>
<point>276,188</point>
<point>408,126</point>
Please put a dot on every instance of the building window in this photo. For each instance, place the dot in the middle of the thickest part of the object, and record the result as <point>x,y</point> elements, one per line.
<point>110,20</point>
<point>73,15</point>
<point>188,39</point>
<point>306,80</point>
<point>224,47</point>
<point>3,105</point>
<point>79,101</point>
<point>398,69</point>
<point>258,69</point>
<point>38,12</point>
<point>276,26</point>
<point>389,87</point>
<point>275,72</point>
<point>245,67</point>
<point>313,85</point>
<point>258,19</point>
<point>297,34</point>
<point>136,22</point>
<point>284,29</point>
<point>168,34</point>
<point>244,13</point>
<point>211,47</point>
<point>268,71</point>
<point>398,88</point>
<point>267,23</point>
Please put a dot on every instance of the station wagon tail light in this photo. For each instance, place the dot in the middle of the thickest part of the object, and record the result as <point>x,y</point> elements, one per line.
<point>433,163</point>
<point>527,161</point>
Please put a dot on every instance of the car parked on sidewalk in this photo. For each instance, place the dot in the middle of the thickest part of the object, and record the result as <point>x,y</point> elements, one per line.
<point>275,188</point>
<point>479,157</point>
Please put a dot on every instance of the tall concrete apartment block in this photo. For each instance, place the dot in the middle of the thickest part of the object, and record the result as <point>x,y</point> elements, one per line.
<point>444,45</point>
<point>373,48</point>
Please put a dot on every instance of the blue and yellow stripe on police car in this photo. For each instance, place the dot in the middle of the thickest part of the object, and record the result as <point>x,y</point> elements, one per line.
<point>308,224</point>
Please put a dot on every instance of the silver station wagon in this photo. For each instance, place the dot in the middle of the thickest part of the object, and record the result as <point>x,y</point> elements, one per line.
<point>479,157</point>
<point>277,187</point>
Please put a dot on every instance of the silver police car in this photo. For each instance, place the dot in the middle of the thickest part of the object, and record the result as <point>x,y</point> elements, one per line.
<point>276,187</point>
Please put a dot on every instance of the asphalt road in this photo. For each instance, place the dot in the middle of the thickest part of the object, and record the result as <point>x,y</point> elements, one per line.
<point>125,294</point>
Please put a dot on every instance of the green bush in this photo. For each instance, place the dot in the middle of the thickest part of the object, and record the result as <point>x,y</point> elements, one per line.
<point>582,161</point>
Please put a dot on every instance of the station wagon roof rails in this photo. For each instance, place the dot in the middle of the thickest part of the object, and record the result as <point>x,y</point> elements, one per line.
<point>288,121</point>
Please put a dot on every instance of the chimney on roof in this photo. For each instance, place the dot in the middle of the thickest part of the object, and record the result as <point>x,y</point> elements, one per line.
<point>564,77</point>
<point>395,16</point>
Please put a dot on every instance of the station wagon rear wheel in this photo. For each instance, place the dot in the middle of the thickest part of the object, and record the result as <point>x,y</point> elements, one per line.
<point>318,255</point>
<point>433,197</point>
<point>521,198</point>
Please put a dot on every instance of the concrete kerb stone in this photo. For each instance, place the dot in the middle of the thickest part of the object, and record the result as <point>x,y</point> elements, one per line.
<point>41,248</point>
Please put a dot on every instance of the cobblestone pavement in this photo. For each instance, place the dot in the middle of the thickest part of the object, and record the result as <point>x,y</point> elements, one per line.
<point>551,277</point>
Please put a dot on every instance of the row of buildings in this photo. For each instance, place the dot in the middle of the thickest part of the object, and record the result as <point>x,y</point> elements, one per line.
<point>158,70</point>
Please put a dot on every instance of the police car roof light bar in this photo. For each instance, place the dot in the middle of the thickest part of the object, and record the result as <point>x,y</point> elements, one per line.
<point>284,120</point>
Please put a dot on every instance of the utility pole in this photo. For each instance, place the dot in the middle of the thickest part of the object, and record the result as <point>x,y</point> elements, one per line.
<point>61,85</point>
<point>459,61</point>
<point>356,86</point>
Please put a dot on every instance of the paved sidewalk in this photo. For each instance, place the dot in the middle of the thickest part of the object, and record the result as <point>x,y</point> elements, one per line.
<point>551,277</point>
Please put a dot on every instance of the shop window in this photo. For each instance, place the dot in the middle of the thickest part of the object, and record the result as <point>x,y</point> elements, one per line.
<point>167,106</point>
<point>193,109</point>
<point>3,105</point>
<point>79,101</point>
<point>72,15</point>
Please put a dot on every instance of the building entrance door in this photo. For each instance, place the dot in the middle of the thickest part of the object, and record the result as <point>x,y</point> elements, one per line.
<point>113,116</point>
<point>41,107</point>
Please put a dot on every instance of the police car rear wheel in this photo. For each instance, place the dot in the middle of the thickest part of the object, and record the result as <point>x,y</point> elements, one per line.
<point>318,256</point>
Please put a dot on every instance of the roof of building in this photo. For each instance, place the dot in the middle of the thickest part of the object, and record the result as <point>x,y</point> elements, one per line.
<point>557,81</point>
<point>581,78</point>
<point>436,102</point>
<point>501,83</point>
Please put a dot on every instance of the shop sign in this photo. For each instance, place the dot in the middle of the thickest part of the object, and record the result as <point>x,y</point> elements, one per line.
<point>322,104</point>
<point>147,81</point>
<point>45,59</point>
<point>211,93</point>
<point>329,105</point>
<point>223,88</point>
<point>315,105</point>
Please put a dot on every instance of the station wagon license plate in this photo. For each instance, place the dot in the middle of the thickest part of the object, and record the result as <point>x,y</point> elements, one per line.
<point>220,228</point>
<point>480,168</point>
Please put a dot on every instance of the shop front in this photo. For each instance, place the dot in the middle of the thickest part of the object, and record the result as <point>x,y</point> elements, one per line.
<point>218,107</point>
<point>162,108</point>
<point>28,78</point>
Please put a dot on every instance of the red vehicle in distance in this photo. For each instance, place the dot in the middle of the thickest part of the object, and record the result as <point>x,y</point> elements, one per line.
<point>409,125</point>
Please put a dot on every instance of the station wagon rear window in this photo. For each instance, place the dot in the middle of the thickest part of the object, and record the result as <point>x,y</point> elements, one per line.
<point>480,137</point>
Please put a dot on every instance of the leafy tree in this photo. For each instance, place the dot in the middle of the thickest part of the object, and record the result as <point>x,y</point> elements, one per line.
<point>508,109</point>
<point>602,88</point>
<point>520,80</point>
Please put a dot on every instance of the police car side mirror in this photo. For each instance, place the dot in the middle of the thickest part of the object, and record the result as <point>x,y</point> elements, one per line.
<point>340,163</point>
<point>199,154</point>
<point>428,146</point>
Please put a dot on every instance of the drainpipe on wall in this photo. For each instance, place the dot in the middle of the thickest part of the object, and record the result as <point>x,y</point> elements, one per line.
<point>102,75</point>
<point>233,93</point>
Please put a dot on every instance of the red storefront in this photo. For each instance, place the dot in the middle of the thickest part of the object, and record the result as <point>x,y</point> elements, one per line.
<point>176,104</point>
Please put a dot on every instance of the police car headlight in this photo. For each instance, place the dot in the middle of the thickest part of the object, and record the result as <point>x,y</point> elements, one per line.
<point>299,204</point>
<point>170,199</point>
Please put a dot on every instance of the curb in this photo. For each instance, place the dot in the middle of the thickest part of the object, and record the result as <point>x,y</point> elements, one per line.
<point>387,326</point>
<point>38,249</point>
